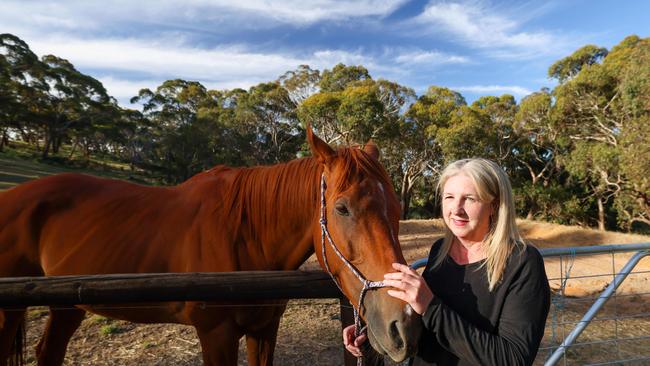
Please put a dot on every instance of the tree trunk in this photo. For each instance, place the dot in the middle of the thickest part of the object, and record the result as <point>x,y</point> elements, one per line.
<point>601,214</point>
<point>4,140</point>
<point>86,148</point>
<point>46,145</point>
<point>56,144</point>
<point>74,147</point>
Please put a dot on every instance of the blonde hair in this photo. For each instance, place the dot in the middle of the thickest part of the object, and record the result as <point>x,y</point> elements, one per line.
<point>492,185</point>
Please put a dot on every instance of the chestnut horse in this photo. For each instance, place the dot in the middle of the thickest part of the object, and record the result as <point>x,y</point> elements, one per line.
<point>224,219</point>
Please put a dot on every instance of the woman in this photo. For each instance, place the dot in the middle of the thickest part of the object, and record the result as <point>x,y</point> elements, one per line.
<point>484,294</point>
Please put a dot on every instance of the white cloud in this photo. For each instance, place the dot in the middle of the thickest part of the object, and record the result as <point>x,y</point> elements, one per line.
<point>517,91</point>
<point>125,66</point>
<point>164,58</point>
<point>123,90</point>
<point>300,11</point>
<point>421,57</point>
<point>203,15</point>
<point>479,26</point>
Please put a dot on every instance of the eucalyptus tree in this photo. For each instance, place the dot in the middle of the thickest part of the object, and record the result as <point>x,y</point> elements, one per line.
<point>180,141</point>
<point>420,143</point>
<point>570,66</point>
<point>541,143</point>
<point>21,88</point>
<point>345,107</point>
<point>469,134</point>
<point>320,111</point>
<point>593,107</point>
<point>72,98</point>
<point>352,108</point>
<point>8,101</point>
<point>300,83</point>
<point>499,112</point>
<point>340,76</point>
<point>267,114</point>
<point>634,88</point>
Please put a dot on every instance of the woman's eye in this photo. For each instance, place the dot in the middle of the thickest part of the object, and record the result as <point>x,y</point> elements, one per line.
<point>342,209</point>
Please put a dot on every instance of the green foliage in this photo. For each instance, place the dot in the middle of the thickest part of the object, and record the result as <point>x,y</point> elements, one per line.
<point>436,108</point>
<point>268,115</point>
<point>320,110</point>
<point>469,135</point>
<point>99,319</point>
<point>603,110</point>
<point>110,329</point>
<point>553,203</point>
<point>341,76</point>
<point>568,67</point>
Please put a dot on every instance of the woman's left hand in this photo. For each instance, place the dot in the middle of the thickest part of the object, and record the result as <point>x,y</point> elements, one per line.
<point>410,287</point>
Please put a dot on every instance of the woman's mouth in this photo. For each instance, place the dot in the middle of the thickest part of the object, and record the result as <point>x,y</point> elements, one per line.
<point>459,222</point>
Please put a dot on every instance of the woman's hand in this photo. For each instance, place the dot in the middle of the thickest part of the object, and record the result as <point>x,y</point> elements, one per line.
<point>351,343</point>
<point>410,286</point>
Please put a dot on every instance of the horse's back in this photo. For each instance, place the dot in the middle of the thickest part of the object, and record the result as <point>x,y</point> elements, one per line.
<point>76,224</point>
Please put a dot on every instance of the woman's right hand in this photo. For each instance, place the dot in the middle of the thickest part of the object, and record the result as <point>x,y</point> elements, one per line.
<point>352,344</point>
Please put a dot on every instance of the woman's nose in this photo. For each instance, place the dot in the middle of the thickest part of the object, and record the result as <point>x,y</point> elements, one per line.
<point>457,207</point>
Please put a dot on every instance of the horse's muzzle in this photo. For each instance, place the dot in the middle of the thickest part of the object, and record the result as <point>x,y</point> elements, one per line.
<point>393,327</point>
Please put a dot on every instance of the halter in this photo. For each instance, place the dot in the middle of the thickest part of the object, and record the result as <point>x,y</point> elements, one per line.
<point>367,285</point>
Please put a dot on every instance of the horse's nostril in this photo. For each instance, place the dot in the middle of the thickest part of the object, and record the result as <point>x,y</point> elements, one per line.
<point>395,335</point>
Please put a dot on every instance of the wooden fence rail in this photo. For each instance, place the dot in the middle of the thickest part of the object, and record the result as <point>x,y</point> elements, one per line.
<point>153,287</point>
<point>244,286</point>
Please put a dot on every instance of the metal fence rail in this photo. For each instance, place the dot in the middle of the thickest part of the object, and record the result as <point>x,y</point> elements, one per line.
<point>642,251</point>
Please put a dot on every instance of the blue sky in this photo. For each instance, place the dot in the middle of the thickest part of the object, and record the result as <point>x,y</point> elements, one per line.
<point>474,47</point>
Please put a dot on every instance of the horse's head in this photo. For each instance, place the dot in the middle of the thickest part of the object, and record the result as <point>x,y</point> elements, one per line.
<point>361,215</point>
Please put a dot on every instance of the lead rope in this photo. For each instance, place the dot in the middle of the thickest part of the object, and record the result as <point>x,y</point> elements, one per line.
<point>367,285</point>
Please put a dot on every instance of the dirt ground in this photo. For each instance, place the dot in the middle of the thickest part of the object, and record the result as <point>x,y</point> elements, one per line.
<point>310,329</point>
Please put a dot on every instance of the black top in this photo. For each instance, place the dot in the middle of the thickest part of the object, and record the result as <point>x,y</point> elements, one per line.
<point>466,324</point>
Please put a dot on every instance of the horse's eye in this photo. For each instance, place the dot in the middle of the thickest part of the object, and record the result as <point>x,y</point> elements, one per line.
<point>342,209</point>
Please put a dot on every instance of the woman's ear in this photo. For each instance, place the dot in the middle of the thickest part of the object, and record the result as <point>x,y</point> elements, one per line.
<point>495,208</point>
<point>321,150</point>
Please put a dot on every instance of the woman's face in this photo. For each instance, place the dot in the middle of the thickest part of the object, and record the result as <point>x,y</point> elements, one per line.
<point>463,212</point>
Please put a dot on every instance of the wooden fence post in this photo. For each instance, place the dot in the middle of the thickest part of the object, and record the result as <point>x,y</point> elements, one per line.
<point>347,318</point>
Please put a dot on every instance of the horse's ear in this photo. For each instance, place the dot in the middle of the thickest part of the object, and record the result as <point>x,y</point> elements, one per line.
<point>319,148</point>
<point>371,149</point>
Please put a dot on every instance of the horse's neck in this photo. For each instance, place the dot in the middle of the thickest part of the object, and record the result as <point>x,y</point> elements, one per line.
<point>282,228</point>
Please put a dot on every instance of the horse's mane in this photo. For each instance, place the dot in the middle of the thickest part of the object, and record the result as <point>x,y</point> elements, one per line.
<point>264,197</point>
<point>269,196</point>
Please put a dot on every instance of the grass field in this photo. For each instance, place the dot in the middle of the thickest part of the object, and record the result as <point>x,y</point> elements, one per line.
<point>20,164</point>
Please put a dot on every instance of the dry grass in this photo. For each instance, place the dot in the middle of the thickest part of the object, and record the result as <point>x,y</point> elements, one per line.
<point>310,329</point>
